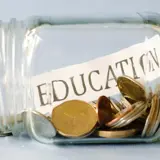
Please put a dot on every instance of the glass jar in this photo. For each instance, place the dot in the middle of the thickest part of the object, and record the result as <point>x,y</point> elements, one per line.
<point>45,65</point>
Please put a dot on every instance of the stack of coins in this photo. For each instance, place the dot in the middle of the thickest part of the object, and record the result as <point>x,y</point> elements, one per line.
<point>135,114</point>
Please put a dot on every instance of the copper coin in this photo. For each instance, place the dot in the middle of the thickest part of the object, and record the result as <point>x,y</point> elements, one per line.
<point>131,88</point>
<point>105,112</point>
<point>117,134</point>
<point>74,118</point>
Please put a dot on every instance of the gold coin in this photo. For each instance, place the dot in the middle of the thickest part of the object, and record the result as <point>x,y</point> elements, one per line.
<point>116,134</point>
<point>105,113</point>
<point>153,124</point>
<point>156,125</point>
<point>157,122</point>
<point>74,118</point>
<point>131,88</point>
<point>150,116</point>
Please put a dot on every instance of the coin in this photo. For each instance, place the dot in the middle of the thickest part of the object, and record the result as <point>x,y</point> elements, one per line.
<point>135,109</point>
<point>116,134</point>
<point>74,118</point>
<point>154,122</point>
<point>156,125</point>
<point>131,88</point>
<point>38,126</point>
<point>105,113</point>
<point>131,116</point>
<point>157,122</point>
<point>150,116</point>
<point>118,116</point>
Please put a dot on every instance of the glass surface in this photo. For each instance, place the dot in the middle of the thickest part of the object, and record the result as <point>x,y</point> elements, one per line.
<point>39,46</point>
<point>68,44</point>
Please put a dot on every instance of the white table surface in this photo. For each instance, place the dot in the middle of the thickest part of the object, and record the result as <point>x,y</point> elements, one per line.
<point>26,149</point>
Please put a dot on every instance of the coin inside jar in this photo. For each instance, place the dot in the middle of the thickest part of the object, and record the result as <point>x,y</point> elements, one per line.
<point>148,123</point>
<point>137,111</point>
<point>151,122</point>
<point>105,113</point>
<point>74,118</point>
<point>155,121</point>
<point>38,126</point>
<point>131,88</point>
<point>118,116</point>
<point>116,134</point>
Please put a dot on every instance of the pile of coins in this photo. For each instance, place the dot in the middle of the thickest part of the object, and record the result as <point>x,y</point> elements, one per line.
<point>136,114</point>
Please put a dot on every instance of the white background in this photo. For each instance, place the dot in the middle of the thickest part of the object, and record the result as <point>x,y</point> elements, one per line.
<point>26,149</point>
<point>73,8</point>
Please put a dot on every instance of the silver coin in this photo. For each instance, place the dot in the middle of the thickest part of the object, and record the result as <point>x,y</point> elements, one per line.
<point>137,107</point>
<point>38,126</point>
<point>150,116</point>
<point>133,117</point>
<point>154,130</point>
<point>128,114</point>
<point>155,122</point>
